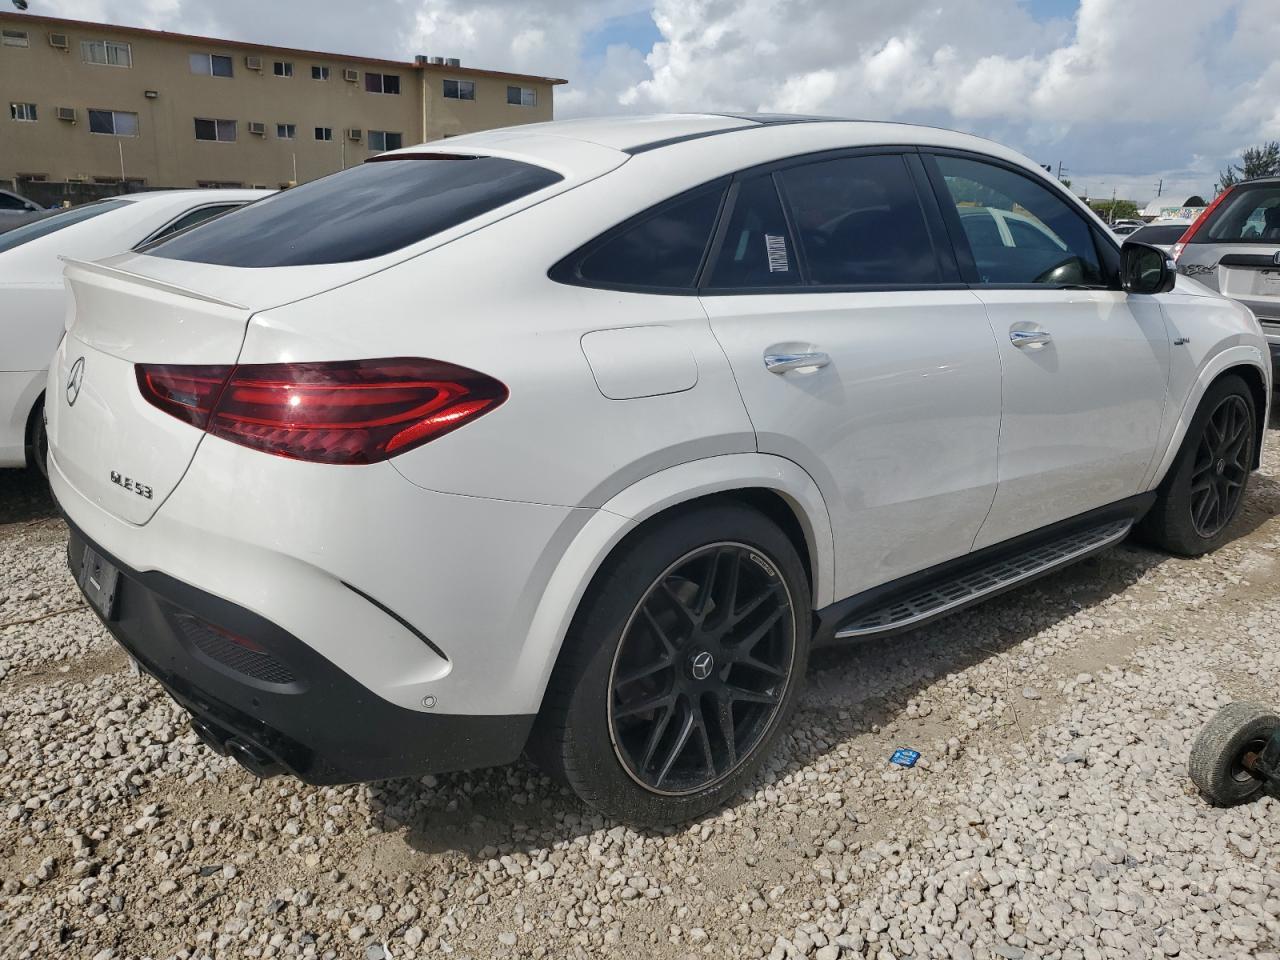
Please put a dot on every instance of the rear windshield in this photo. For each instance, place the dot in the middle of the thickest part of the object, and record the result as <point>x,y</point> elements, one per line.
<point>1251,214</point>
<point>366,211</point>
<point>1160,233</point>
<point>42,228</point>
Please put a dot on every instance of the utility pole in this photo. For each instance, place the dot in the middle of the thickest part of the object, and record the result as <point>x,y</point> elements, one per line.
<point>1160,187</point>
<point>1061,170</point>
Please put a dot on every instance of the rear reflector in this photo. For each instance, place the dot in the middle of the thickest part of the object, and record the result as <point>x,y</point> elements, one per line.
<point>352,412</point>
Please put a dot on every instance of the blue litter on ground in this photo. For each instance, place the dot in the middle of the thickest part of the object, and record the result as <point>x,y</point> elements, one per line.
<point>905,758</point>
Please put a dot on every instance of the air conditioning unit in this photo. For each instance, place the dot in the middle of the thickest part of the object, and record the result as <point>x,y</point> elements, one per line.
<point>258,127</point>
<point>66,113</point>
<point>253,63</point>
<point>351,75</point>
<point>60,41</point>
<point>453,62</point>
<point>437,61</point>
<point>355,133</point>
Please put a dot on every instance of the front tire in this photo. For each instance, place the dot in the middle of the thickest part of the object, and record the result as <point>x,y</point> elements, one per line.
<point>681,667</point>
<point>1206,483</point>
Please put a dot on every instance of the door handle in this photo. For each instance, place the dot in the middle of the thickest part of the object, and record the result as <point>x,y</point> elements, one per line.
<point>1030,338</point>
<point>782,362</point>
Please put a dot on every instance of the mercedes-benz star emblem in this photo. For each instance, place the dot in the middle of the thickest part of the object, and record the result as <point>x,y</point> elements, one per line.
<point>74,380</point>
<point>701,665</point>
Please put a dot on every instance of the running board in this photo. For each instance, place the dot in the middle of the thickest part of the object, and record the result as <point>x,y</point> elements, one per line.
<point>995,577</point>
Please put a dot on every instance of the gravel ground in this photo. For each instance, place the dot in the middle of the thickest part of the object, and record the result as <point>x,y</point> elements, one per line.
<point>1050,817</point>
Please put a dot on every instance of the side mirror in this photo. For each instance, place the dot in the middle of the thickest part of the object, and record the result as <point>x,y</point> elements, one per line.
<point>1146,269</point>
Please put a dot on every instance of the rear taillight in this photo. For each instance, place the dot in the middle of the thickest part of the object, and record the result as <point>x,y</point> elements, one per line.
<point>358,411</point>
<point>1176,250</point>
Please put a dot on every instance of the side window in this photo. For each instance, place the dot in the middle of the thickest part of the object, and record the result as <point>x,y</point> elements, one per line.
<point>858,221</point>
<point>192,217</point>
<point>757,250</point>
<point>661,248</point>
<point>1044,241</point>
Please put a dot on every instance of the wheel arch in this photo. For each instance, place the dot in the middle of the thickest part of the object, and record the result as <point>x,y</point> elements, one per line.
<point>1241,360</point>
<point>777,487</point>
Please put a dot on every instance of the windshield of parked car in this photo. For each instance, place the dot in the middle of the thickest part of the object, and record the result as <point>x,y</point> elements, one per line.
<point>1251,214</point>
<point>1161,234</point>
<point>365,211</point>
<point>59,221</point>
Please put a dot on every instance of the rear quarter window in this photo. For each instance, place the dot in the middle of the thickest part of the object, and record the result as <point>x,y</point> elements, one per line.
<point>367,211</point>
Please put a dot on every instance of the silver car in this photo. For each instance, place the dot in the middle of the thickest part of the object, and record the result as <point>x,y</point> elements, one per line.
<point>1234,247</point>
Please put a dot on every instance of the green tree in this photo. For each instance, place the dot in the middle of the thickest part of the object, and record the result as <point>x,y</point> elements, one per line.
<point>1255,162</point>
<point>1111,210</point>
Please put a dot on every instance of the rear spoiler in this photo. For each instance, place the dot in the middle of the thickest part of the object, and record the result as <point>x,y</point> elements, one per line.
<point>89,266</point>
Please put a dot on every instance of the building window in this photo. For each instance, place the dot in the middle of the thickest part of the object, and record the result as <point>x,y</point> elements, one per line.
<point>115,123</point>
<point>319,73</point>
<point>14,38</point>
<point>286,131</point>
<point>223,131</point>
<point>522,96</point>
<point>382,83</point>
<point>23,111</point>
<point>385,140</point>
<point>283,68</point>
<point>324,133</point>
<point>107,53</point>
<point>210,65</point>
<point>459,90</point>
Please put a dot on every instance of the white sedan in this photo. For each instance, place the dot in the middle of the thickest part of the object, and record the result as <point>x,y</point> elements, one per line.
<point>33,296</point>
<point>578,436</point>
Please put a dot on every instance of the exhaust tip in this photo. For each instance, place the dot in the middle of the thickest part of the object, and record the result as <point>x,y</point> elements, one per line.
<point>254,759</point>
<point>210,737</point>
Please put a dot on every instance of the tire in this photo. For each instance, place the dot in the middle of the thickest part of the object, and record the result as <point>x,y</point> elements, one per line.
<point>38,440</point>
<point>1174,522</point>
<point>1216,753</point>
<point>637,640</point>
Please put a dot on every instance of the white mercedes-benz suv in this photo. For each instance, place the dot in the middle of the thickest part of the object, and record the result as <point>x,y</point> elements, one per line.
<point>577,437</point>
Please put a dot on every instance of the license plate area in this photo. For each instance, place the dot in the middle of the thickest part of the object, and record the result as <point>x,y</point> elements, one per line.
<point>99,579</point>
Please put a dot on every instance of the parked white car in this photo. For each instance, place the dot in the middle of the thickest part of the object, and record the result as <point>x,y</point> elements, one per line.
<point>1162,234</point>
<point>33,301</point>
<point>578,436</point>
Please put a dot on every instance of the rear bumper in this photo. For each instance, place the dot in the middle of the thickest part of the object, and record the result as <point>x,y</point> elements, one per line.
<point>280,703</point>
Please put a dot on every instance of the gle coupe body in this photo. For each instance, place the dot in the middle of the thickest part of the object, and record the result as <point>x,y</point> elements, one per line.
<point>578,437</point>
<point>33,299</point>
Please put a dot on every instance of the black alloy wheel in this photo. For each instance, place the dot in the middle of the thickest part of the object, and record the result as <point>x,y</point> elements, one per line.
<point>701,670</point>
<point>1221,466</point>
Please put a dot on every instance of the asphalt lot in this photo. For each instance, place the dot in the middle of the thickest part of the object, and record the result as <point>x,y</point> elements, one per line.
<point>1050,817</point>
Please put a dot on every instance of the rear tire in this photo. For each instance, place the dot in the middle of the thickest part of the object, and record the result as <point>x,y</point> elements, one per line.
<point>681,667</point>
<point>1215,765</point>
<point>1206,483</point>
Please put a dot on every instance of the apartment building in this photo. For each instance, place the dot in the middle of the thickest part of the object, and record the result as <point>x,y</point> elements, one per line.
<point>95,103</point>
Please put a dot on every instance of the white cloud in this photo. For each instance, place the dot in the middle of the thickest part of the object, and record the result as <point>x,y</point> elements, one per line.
<point>1126,92</point>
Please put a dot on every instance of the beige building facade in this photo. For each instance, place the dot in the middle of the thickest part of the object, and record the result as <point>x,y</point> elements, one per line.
<point>98,103</point>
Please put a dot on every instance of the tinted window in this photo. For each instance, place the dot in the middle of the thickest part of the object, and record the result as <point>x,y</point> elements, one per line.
<point>8,202</point>
<point>362,212</point>
<point>1249,215</point>
<point>42,228</point>
<point>757,250</point>
<point>661,248</point>
<point>859,221</point>
<point>192,217</point>
<point>1164,234</point>
<point>1044,239</point>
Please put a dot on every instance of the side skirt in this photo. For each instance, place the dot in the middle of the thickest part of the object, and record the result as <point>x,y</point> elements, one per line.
<point>917,599</point>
